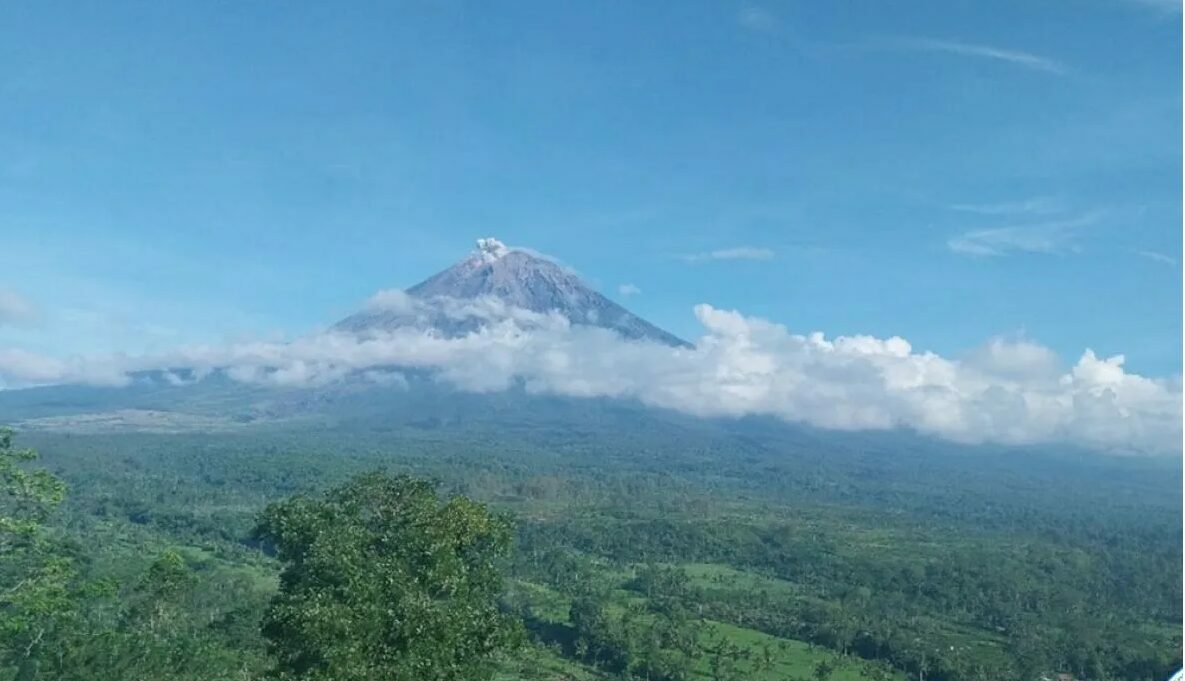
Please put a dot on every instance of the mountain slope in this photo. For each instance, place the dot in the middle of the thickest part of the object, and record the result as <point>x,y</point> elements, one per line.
<point>513,278</point>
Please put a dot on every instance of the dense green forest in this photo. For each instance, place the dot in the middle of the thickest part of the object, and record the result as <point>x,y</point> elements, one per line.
<point>306,553</point>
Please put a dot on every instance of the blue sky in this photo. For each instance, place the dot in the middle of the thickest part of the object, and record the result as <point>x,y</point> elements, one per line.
<point>943,171</point>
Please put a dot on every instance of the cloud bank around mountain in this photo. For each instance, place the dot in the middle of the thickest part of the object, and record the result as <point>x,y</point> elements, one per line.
<point>1008,391</point>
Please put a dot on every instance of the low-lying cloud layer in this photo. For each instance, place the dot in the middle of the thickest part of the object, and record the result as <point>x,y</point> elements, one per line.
<point>1007,391</point>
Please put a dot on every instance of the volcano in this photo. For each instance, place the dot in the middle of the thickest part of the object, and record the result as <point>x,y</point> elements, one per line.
<point>493,282</point>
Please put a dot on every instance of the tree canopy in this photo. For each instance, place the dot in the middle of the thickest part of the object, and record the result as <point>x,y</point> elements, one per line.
<point>384,580</point>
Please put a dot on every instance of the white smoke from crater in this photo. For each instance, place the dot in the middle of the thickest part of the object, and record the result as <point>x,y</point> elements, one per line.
<point>490,249</point>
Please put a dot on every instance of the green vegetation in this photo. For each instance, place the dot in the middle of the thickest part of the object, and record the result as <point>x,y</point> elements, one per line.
<point>381,581</point>
<point>593,553</point>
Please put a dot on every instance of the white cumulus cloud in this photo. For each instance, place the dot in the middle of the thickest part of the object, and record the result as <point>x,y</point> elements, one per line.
<point>1010,391</point>
<point>20,367</point>
<point>391,300</point>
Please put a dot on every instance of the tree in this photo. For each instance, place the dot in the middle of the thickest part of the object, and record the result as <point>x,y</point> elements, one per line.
<point>604,641</point>
<point>823,670</point>
<point>36,580</point>
<point>766,661</point>
<point>382,580</point>
<point>59,623</point>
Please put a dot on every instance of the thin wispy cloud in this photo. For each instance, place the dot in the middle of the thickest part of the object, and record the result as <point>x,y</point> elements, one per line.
<point>14,309</point>
<point>761,21</point>
<point>757,19</point>
<point>1157,257</point>
<point>628,290</point>
<point>735,253</point>
<point>1022,59</point>
<point>1052,237</point>
<point>1166,6</point>
<point>1041,205</point>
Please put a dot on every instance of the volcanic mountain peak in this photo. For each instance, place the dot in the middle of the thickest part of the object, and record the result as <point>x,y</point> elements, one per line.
<point>519,279</point>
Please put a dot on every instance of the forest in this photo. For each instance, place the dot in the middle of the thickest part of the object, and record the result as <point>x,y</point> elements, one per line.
<point>422,552</point>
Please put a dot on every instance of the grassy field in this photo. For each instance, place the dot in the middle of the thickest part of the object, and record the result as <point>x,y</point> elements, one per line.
<point>724,577</point>
<point>540,663</point>
<point>787,658</point>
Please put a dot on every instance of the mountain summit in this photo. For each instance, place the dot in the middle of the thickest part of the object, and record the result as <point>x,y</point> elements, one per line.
<point>514,278</point>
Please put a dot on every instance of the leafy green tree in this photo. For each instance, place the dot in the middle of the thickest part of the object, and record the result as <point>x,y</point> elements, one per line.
<point>823,670</point>
<point>383,580</point>
<point>36,579</point>
<point>58,623</point>
<point>765,661</point>
<point>159,632</point>
<point>600,639</point>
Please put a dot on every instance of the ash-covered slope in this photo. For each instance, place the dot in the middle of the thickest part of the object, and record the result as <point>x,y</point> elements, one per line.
<point>512,278</point>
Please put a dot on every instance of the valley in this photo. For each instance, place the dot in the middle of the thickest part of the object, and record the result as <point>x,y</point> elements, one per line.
<point>741,550</point>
